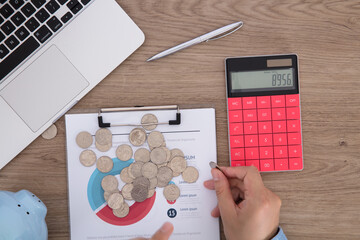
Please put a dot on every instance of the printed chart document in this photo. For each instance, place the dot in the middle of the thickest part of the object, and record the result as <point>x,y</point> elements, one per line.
<point>91,218</point>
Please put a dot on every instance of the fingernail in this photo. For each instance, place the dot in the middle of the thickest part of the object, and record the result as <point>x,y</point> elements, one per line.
<point>215,175</point>
<point>166,227</point>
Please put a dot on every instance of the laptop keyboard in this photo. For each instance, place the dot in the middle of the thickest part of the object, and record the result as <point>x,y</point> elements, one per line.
<point>26,25</point>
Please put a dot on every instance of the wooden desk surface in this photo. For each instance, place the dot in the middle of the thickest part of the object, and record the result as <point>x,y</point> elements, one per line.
<point>322,201</point>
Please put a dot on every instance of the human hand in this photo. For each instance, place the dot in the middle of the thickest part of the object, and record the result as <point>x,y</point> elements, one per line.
<point>247,208</point>
<point>162,234</point>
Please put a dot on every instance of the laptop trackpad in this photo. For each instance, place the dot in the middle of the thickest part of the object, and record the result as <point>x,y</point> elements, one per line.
<point>44,88</point>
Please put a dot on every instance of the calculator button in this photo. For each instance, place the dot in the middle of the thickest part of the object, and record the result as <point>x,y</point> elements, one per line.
<point>253,163</point>
<point>237,163</point>
<point>278,101</point>
<point>263,102</point>
<point>250,128</point>
<point>236,141</point>
<point>236,128</point>
<point>294,138</point>
<point>292,100</point>
<point>251,140</point>
<point>267,165</point>
<point>280,139</point>
<point>265,140</point>
<point>293,113</point>
<point>237,154</point>
<point>250,116</point>
<point>295,163</point>
<point>279,126</point>
<point>295,151</point>
<point>264,114</point>
<point>235,116</point>
<point>280,152</point>
<point>265,127</point>
<point>293,126</point>
<point>234,103</point>
<point>278,114</point>
<point>252,153</point>
<point>249,102</point>
<point>281,164</point>
<point>266,152</point>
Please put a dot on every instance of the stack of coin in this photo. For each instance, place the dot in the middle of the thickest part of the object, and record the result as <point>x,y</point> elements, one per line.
<point>103,139</point>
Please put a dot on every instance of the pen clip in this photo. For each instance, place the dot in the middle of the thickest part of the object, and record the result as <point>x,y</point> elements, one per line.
<point>224,35</point>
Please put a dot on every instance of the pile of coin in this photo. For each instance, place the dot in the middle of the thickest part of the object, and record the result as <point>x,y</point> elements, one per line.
<point>153,167</point>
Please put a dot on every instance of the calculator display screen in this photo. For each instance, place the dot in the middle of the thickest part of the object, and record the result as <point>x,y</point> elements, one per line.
<point>264,80</point>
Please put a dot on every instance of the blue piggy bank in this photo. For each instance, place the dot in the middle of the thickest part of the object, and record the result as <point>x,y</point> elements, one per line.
<point>22,216</point>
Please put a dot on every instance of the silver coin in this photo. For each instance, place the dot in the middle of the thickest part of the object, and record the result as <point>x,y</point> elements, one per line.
<point>125,177</point>
<point>171,192</point>
<point>109,183</point>
<point>175,174</point>
<point>115,200</point>
<point>168,153</point>
<point>158,156</point>
<point>155,139</point>
<point>107,194</point>
<point>103,136</point>
<point>126,191</point>
<point>149,170</point>
<point>135,169</point>
<point>149,119</point>
<point>151,193</point>
<point>143,181</point>
<point>142,155</point>
<point>178,164</point>
<point>104,164</point>
<point>50,133</point>
<point>87,158</point>
<point>84,140</point>
<point>124,152</point>
<point>123,211</point>
<point>176,153</point>
<point>103,148</point>
<point>190,175</point>
<point>137,136</point>
<point>153,183</point>
<point>164,176</point>
<point>139,193</point>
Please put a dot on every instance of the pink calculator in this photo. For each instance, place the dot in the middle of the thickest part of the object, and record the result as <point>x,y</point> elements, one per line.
<point>264,117</point>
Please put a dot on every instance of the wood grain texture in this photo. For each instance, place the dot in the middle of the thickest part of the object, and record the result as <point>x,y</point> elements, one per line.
<point>322,201</point>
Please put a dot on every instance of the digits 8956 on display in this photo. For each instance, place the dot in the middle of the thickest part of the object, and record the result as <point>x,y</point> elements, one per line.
<point>264,112</point>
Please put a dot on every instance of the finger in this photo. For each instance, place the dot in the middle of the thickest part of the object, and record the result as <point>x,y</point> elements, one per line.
<point>225,201</point>
<point>164,232</point>
<point>249,175</point>
<point>209,184</point>
<point>236,183</point>
<point>215,212</point>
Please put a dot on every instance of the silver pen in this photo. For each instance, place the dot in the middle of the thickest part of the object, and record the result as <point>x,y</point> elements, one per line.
<point>213,35</point>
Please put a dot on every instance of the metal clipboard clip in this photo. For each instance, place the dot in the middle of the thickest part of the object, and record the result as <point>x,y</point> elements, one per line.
<point>101,123</point>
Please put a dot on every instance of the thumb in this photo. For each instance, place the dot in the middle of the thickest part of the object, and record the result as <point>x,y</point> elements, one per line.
<point>164,232</point>
<point>225,200</point>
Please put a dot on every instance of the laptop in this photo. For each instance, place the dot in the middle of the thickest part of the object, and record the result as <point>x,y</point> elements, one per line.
<point>52,53</point>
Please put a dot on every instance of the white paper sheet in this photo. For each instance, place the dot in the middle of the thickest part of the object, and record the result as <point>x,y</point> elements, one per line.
<point>190,214</point>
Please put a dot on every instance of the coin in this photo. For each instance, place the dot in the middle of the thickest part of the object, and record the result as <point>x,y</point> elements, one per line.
<point>125,177</point>
<point>162,165</point>
<point>178,164</point>
<point>103,148</point>
<point>123,211</point>
<point>171,192</point>
<point>137,136</point>
<point>139,193</point>
<point>164,176</point>
<point>153,182</point>
<point>155,139</point>
<point>50,133</point>
<point>109,183</point>
<point>175,174</point>
<point>126,191</point>
<point>151,193</point>
<point>107,194</point>
<point>176,153</point>
<point>149,170</point>
<point>142,155</point>
<point>124,152</point>
<point>103,136</point>
<point>84,140</point>
<point>158,156</point>
<point>190,175</point>
<point>135,169</point>
<point>104,164</point>
<point>143,181</point>
<point>87,158</point>
<point>147,119</point>
<point>115,200</point>
<point>168,153</point>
